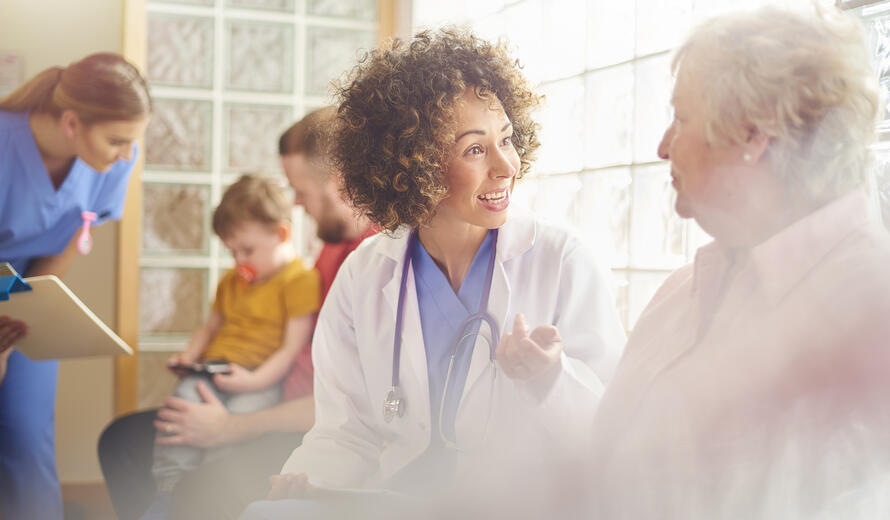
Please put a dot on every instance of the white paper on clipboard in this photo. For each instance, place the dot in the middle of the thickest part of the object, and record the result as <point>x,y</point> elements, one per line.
<point>59,324</point>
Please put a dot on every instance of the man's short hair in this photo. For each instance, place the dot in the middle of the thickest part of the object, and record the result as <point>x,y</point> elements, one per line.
<point>308,135</point>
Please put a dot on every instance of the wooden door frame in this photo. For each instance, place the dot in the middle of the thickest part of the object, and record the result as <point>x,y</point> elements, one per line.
<point>129,240</point>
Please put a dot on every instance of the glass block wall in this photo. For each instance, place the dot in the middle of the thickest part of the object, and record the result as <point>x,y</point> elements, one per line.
<point>876,17</point>
<point>227,76</point>
<point>604,67</point>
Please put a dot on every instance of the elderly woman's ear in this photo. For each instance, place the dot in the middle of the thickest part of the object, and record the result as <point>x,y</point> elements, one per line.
<point>755,146</point>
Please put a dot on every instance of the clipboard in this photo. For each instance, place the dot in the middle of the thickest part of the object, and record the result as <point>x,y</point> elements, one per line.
<point>59,324</point>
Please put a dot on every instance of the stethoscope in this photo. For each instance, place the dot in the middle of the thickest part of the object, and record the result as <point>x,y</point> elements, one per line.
<point>394,404</point>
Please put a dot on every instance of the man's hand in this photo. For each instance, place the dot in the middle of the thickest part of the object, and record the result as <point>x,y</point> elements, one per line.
<point>238,381</point>
<point>290,485</point>
<point>527,356</point>
<point>203,425</point>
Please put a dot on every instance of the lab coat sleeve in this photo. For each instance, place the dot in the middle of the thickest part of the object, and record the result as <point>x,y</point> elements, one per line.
<point>342,448</point>
<point>593,339</point>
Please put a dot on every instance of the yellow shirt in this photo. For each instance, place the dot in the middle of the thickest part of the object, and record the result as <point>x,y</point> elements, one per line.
<point>254,315</point>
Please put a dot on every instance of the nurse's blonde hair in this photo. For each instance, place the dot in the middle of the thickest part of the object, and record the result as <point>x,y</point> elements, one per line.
<point>804,80</point>
<point>100,87</point>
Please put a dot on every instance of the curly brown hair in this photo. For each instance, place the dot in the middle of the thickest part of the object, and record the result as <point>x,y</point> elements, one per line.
<point>396,119</point>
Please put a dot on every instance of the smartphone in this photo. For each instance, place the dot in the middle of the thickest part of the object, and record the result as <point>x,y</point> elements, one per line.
<point>208,368</point>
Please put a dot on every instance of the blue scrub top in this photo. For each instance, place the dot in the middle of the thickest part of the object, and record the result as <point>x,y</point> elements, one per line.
<point>36,220</point>
<point>441,313</point>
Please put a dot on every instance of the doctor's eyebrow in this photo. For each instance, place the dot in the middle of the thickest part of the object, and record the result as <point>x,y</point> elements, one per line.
<point>480,132</point>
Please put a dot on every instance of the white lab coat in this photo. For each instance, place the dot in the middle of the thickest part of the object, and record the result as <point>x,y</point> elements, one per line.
<point>540,271</point>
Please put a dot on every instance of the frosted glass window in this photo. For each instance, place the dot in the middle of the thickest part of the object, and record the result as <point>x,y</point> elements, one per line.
<point>172,300</point>
<point>361,9</point>
<point>564,20</point>
<point>562,127</point>
<point>273,5</point>
<point>661,24</point>
<point>192,2</point>
<point>332,52</point>
<point>652,105</point>
<point>178,136</point>
<point>523,25</point>
<point>490,27</point>
<point>260,56</point>
<point>182,51</point>
<point>657,232</point>
<point>609,116</point>
<point>554,197</point>
<point>882,181</point>
<point>610,32</point>
<point>603,214</point>
<point>879,45</point>
<point>174,218</point>
<point>621,288</point>
<point>252,133</point>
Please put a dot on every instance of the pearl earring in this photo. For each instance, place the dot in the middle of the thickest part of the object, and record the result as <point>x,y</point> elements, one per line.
<point>747,157</point>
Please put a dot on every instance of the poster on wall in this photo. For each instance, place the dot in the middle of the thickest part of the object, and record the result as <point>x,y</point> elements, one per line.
<point>12,67</point>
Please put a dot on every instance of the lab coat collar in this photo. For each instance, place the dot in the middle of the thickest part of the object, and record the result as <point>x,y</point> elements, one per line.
<point>515,237</point>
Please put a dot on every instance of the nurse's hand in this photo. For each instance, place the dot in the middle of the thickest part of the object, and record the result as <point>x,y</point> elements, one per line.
<point>529,356</point>
<point>10,331</point>
<point>3,357</point>
<point>290,485</point>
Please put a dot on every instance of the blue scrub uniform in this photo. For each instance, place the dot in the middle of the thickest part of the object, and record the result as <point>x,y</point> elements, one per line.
<point>36,220</point>
<point>442,311</point>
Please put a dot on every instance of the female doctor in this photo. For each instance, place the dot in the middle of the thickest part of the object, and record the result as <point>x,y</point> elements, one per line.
<point>426,371</point>
<point>67,146</point>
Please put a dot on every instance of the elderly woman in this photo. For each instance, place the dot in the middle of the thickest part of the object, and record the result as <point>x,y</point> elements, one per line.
<point>425,371</point>
<point>755,383</point>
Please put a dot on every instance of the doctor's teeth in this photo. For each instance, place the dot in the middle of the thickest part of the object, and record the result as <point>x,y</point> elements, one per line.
<point>493,196</point>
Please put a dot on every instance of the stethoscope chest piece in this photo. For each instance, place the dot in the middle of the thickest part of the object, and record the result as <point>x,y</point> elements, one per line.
<point>393,405</point>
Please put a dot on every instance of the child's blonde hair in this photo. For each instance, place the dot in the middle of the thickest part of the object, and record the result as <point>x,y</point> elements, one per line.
<point>252,198</point>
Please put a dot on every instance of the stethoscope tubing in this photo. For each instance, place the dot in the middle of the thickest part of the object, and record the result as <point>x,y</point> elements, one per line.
<point>481,314</point>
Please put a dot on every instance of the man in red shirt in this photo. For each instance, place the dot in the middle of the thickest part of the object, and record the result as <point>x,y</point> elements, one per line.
<point>257,443</point>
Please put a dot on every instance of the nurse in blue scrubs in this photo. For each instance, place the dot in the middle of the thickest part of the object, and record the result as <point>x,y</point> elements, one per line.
<point>67,147</point>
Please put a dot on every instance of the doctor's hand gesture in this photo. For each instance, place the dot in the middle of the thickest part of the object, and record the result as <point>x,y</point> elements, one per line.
<point>529,356</point>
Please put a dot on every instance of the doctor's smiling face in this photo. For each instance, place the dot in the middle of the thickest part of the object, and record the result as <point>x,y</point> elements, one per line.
<point>483,165</point>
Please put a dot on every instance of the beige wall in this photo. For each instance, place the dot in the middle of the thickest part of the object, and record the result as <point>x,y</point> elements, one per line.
<point>52,32</point>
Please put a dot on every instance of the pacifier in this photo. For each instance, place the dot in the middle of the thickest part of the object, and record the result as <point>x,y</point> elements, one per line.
<point>85,241</point>
<point>246,272</point>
